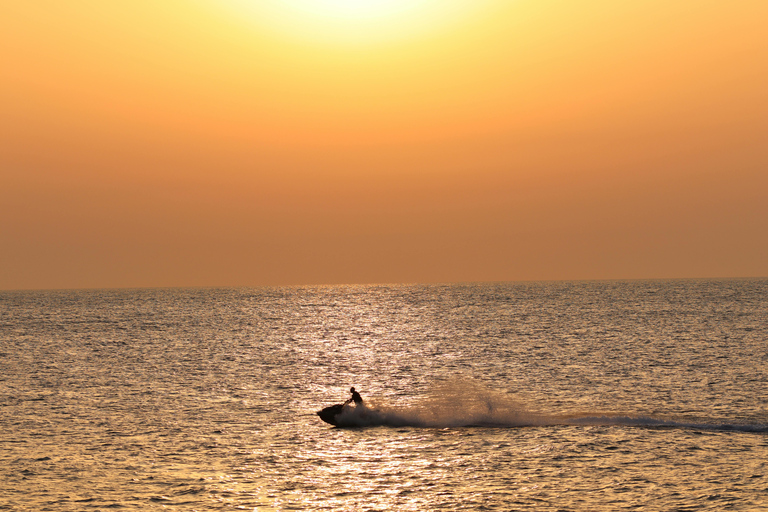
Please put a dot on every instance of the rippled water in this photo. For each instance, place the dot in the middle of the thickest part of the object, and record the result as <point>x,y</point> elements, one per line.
<point>536,396</point>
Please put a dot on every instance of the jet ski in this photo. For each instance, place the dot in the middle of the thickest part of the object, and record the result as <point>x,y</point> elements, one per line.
<point>329,414</point>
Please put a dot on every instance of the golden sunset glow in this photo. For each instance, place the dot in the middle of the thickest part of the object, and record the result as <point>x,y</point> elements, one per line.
<point>231,142</point>
<point>352,21</point>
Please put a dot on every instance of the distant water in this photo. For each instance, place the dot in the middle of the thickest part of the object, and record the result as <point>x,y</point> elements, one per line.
<point>638,395</point>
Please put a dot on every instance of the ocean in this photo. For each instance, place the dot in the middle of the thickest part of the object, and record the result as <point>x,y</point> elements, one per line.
<point>546,396</point>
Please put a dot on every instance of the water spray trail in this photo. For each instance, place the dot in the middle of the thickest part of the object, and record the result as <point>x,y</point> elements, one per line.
<point>463,404</point>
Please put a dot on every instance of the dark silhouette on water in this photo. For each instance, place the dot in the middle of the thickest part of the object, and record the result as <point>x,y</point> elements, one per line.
<point>355,397</point>
<point>329,414</point>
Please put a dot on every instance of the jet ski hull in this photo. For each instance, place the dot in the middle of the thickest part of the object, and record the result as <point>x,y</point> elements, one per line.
<point>329,414</point>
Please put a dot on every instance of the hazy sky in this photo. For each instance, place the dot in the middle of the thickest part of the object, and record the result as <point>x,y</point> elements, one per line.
<point>236,142</point>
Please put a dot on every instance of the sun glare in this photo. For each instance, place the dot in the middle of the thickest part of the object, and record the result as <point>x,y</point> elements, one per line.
<point>352,9</point>
<point>355,21</point>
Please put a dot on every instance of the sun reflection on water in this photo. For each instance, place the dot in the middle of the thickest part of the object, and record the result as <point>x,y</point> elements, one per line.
<point>212,406</point>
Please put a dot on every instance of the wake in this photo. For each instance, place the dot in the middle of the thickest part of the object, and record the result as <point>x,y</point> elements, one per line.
<point>463,405</point>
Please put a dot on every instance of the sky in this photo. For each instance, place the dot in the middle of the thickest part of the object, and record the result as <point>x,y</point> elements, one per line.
<point>303,142</point>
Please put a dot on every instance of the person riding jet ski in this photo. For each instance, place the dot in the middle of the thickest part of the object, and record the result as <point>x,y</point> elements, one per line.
<point>355,398</point>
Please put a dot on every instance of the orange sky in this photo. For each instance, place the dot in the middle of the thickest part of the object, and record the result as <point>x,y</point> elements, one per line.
<point>237,142</point>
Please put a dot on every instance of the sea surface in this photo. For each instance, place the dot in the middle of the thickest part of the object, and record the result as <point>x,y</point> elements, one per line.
<point>552,396</point>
